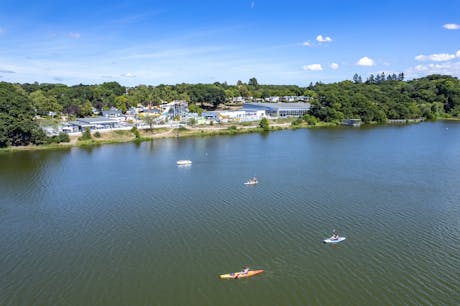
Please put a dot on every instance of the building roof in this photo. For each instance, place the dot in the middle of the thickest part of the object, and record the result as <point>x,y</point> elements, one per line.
<point>96,120</point>
<point>111,112</point>
<point>278,106</point>
<point>211,113</point>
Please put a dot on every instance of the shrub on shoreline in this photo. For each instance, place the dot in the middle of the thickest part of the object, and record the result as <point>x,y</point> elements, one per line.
<point>136,133</point>
<point>264,125</point>
<point>86,135</point>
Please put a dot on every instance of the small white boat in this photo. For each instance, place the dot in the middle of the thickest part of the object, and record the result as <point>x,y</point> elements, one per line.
<point>252,181</point>
<point>334,240</point>
<point>184,162</point>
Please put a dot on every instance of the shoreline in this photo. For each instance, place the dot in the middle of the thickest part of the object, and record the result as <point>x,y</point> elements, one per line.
<point>125,136</point>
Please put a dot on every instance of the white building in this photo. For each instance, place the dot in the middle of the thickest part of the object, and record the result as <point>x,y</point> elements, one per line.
<point>279,109</point>
<point>273,99</point>
<point>228,116</point>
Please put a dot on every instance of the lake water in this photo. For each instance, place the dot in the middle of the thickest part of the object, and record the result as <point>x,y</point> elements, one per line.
<point>123,225</point>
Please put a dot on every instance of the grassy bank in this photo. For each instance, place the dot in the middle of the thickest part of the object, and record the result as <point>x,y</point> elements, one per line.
<point>123,136</point>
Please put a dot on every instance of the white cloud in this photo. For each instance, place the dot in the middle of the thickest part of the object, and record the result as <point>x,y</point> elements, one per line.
<point>75,35</point>
<point>313,67</point>
<point>307,44</point>
<point>440,57</point>
<point>334,66</point>
<point>449,68</point>
<point>457,54</point>
<point>451,26</point>
<point>365,61</point>
<point>421,68</point>
<point>322,39</point>
<point>128,75</point>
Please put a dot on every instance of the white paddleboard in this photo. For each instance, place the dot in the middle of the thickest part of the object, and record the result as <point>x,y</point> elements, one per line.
<point>330,240</point>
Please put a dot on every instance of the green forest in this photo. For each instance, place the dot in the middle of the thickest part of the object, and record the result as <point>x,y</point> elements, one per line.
<point>374,100</point>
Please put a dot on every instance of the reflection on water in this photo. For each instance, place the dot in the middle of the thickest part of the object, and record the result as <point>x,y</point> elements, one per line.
<point>19,169</point>
<point>123,225</point>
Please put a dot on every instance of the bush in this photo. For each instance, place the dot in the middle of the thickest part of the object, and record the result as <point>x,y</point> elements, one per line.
<point>86,135</point>
<point>63,137</point>
<point>297,122</point>
<point>311,120</point>
<point>97,134</point>
<point>264,125</point>
<point>136,133</point>
<point>39,137</point>
<point>232,130</point>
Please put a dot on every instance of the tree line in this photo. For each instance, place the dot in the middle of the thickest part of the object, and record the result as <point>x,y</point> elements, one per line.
<point>380,98</point>
<point>377,99</point>
<point>79,100</point>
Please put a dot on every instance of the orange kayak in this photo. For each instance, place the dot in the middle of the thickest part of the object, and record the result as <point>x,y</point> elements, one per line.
<point>236,275</point>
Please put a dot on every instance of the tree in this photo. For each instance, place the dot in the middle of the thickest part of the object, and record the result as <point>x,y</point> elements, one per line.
<point>264,125</point>
<point>136,133</point>
<point>244,91</point>
<point>86,109</point>
<point>193,108</point>
<point>150,120</point>
<point>63,137</point>
<point>17,126</point>
<point>357,79</point>
<point>113,88</point>
<point>253,82</point>
<point>311,120</point>
<point>85,135</point>
<point>43,104</point>
<point>371,79</point>
<point>213,94</point>
<point>141,94</point>
<point>121,103</point>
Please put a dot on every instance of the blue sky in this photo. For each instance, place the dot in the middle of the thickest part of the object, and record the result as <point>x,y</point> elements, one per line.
<point>278,42</point>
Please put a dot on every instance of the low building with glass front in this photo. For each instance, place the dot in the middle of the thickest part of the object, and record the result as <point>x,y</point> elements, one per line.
<point>279,109</point>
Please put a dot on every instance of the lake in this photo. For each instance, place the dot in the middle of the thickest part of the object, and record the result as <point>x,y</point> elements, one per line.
<point>123,225</point>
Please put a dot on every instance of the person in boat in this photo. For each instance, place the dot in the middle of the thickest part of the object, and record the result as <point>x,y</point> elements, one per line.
<point>335,235</point>
<point>245,270</point>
